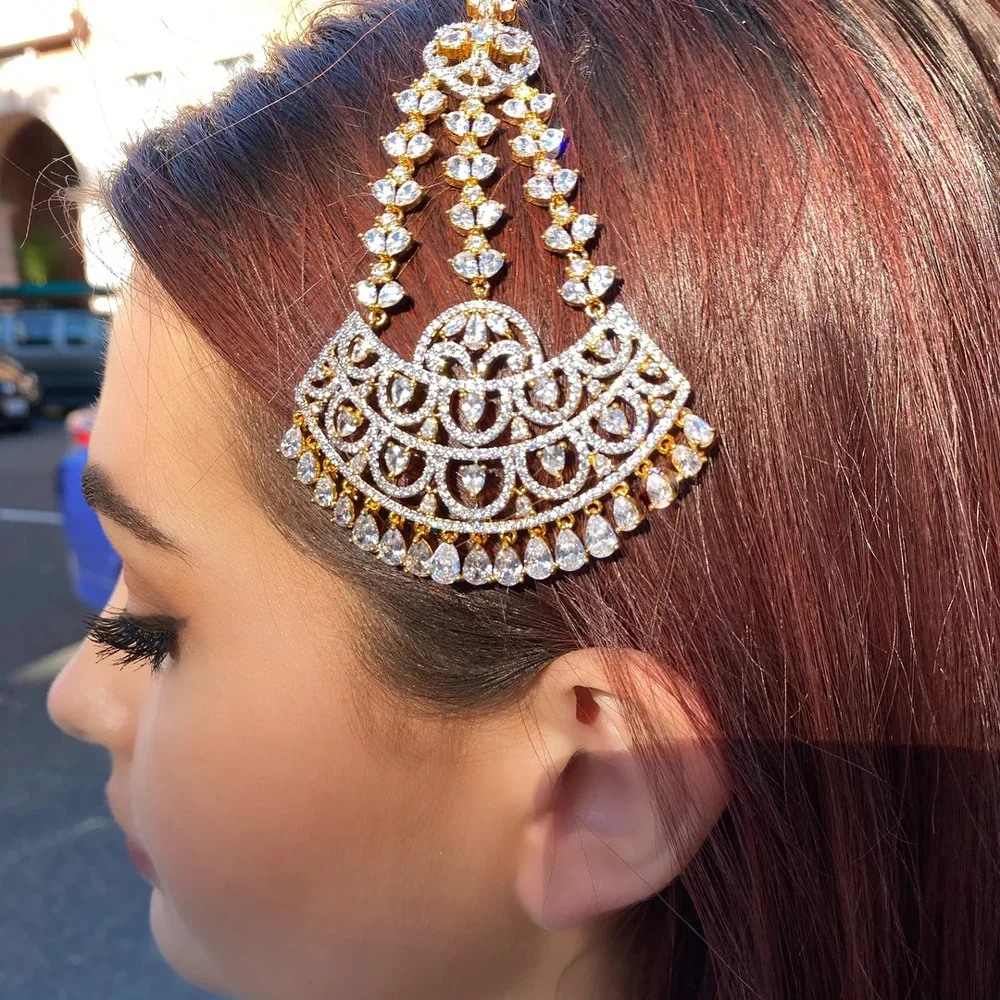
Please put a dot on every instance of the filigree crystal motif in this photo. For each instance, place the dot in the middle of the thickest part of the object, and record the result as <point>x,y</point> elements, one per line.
<point>481,460</point>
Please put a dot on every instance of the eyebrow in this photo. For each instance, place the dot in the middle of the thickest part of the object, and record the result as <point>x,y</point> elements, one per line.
<point>103,496</point>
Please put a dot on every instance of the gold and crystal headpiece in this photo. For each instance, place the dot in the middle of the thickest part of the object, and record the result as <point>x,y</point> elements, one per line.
<point>479,460</point>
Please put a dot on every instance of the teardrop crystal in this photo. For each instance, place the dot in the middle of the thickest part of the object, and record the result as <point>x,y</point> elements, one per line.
<point>343,512</point>
<point>392,548</point>
<point>472,406</point>
<point>446,567</point>
<point>660,491</point>
<point>472,478</point>
<point>570,554</point>
<point>365,533</point>
<point>323,492</point>
<point>626,514</point>
<point>291,443</point>
<point>397,458</point>
<point>538,561</point>
<point>476,335</point>
<point>401,390</point>
<point>418,559</point>
<point>614,421</point>
<point>307,468</point>
<point>698,431</point>
<point>686,460</point>
<point>553,459</point>
<point>477,569</point>
<point>599,537</point>
<point>508,568</point>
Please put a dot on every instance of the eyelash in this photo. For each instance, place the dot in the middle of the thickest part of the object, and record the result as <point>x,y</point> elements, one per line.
<point>128,640</point>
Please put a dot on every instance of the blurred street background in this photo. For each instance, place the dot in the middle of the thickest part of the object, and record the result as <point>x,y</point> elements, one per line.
<point>78,78</point>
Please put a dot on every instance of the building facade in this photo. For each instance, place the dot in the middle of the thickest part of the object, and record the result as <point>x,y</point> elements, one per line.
<point>78,79</point>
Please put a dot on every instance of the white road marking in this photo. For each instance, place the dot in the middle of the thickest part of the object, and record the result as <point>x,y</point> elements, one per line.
<point>44,668</point>
<point>16,516</point>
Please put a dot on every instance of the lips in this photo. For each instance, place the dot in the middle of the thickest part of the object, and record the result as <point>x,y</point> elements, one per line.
<point>141,860</point>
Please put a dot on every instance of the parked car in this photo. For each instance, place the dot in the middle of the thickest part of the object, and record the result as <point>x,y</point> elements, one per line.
<point>64,346</point>
<point>93,564</point>
<point>19,394</point>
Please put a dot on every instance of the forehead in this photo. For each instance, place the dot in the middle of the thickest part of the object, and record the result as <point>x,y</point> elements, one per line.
<point>163,432</point>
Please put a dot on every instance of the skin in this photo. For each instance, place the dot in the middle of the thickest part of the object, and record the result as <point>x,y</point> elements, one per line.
<point>296,848</point>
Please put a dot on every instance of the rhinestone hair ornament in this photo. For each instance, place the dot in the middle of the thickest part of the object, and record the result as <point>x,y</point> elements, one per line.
<point>480,460</point>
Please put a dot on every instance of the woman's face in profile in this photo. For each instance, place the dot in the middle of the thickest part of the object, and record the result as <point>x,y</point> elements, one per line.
<point>297,833</point>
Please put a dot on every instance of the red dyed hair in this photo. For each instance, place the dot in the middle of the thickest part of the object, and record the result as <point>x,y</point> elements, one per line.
<point>801,196</point>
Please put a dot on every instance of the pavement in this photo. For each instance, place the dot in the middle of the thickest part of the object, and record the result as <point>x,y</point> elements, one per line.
<point>73,911</point>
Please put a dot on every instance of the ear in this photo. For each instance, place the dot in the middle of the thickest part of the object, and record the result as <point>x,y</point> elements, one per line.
<point>599,837</point>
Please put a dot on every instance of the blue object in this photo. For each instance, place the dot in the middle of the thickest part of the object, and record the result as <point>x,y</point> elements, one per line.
<point>93,564</point>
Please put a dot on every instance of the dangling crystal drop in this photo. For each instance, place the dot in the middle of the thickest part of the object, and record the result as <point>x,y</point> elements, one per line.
<point>508,568</point>
<point>392,548</point>
<point>477,569</point>
<point>343,512</point>
<point>698,431</point>
<point>685,460</point>
<point>291,443</point>
<point>446,567</point>
<point>600,537</point>
<point>307,469</point>
<point>538,561</point>
<point>323,491</point>
<point>660,491</point>
<point>365,533</point>
<point>418,559</point>
<point>627,516</point>
<point>570,554</point>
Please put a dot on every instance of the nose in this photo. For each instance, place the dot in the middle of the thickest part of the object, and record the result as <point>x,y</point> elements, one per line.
<point>95,701</point>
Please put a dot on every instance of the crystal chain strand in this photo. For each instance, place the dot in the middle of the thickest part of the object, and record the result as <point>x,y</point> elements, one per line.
<point>408,145</point>
<point>540,147</point>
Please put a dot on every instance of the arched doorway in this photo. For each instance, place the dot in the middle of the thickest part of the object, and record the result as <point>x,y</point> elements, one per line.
<point>39,225</point>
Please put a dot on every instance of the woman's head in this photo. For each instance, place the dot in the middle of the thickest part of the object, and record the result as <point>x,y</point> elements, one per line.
<point>353,781</point>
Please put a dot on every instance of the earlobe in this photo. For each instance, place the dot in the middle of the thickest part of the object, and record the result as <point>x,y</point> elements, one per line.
<point>600,837</point>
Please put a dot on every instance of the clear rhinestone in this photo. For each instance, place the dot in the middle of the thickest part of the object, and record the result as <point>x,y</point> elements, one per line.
<point>481,32</point>
<point>579,269</point>
<point>462,216</point>
<point>523,506</point>
<point>472,405</point>
<point>454,326</point>
<point>397,458</point>
<point>374,241</point>
<point>401,172</point>
<point>472,478</point>
<point>546,168</point>
<point>489,214</point>
<point>562,213</point>
<point>458,168</point>
<point>392,548</point>
<point>347,422</point>
<point>519,429</point>
<point>367,292</point>
<point>476,336</point>
<point>601,279</point>
<point>358,463</point>
<point>476,243</point>
<point>514,109</point>
<point>472,106</point>
<point>660,491</point>
<point>431,102</point>
<point>508,568</point>
<point>524,147</point>
<point>698,431</point>
<point>384,190</point>
<point>614,421</point>
<point>498,324</point>
<point>603,347</point>
<point>343,512</point>
<point>570,554</point>
<point>466,264</point>
<point>584,228</point>
<point>323,492</point>
<point>395,144</point>
<point>539,189</point>
<point>685,460</point>
<point>563,181</point>
<point>453,39</point>
<point>429,429</point>
<point>418,559</point>
<point>387,221</point>
<point>509,45</point>
<point>575,293</point>
<point>390,294</point>
<point>365,533</point>
<point>408,101</point>
<point>477,569</point>
<point>359,351</point>
<point>419,146</point>
<point>428,504</point>
<point>408,193</point>
<point>599,537</point>
<point>601,464</point>
<point>553,459</point>
<point>546,391</point>
<point>658,406</point>
<point>556,238</point>
<point>541,104</point>
<point>653,370</point>
<point>291,443</point>
<point>473,194</point>
<point>538,561</point>
<point>382,271</point>
<point>626,513</point>
<point>401,390</point>
<point>551,140</point>
<point>484,126</point>
<point>307,468</point>
<point>456,123</point>
<point>397,241</point>
<point>446,566</point>
<point>483,166</point>
<point>490,262</point>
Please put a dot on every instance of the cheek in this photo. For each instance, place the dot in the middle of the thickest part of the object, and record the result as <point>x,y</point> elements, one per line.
<point>269,821</point>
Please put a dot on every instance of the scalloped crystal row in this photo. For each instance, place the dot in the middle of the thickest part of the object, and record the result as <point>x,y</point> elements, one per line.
<point>481,460</point>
